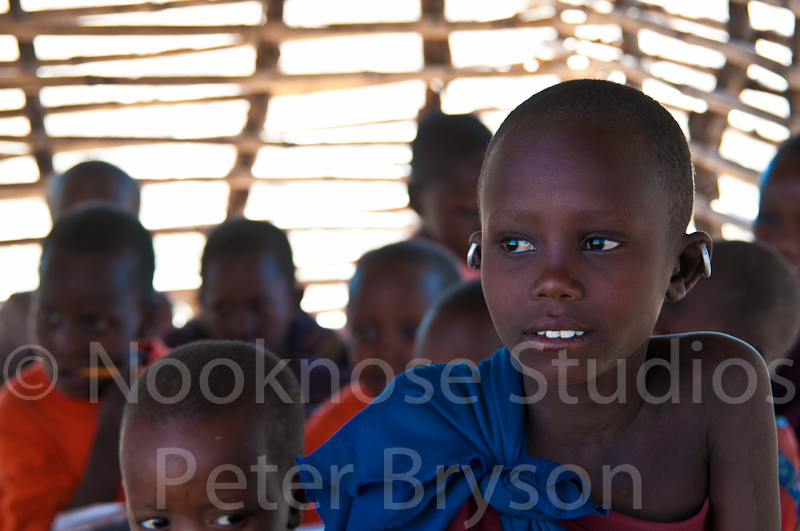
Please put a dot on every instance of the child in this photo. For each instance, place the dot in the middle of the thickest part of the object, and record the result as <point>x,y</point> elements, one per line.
<point>87,182</point>
<point>390,292</point>
<point>585,196</point>
<point>58,445</point>
<point>457,327</point>
<point>446,161</point>
<point>218,455</point>
<point>778,225</point>
<point>250,293</point>
<point>754,296</point>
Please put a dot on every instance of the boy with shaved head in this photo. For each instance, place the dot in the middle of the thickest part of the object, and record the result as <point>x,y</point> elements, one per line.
<point>208,443</point>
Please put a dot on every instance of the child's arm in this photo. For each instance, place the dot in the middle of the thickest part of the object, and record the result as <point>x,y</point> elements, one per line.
<point>742,444</point>
<point>101,481</point>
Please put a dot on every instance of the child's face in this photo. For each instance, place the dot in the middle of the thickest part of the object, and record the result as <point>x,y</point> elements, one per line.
<point>383,318</point>
<point>246,297</point>
<point>449,206</point>
<point>575,239</point>
<point>212,497</point>
<point>86,298</point>
<point>778,222</point>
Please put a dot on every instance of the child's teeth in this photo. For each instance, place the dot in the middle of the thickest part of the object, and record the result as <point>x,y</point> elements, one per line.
<point>564,334</point>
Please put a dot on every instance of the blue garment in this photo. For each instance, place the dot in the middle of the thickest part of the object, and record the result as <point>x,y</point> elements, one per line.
<point>424,422</point>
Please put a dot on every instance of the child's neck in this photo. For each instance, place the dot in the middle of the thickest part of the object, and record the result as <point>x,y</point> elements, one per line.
<point>572,416</point>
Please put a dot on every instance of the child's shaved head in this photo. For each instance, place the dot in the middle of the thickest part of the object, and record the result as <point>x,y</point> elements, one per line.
<point>442,138</point>
<point>104,230</point>
<point>458,326</point>
<point>602,104</point>
<point>94,181</point>
<point>212,376</point>
<point>752,295</point>
<point>440,266</point>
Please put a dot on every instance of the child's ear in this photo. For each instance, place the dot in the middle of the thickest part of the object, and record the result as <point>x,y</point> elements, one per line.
<point>694,260</point>
<point>474,254</point>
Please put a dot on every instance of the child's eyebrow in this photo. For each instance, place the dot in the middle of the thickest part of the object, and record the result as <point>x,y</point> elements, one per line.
<point>527,214</point>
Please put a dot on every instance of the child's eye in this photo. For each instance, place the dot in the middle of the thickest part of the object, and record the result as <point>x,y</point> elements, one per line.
<point>600,244</point>
<point>50,317</point>
<point>96,324</point>
<point>155,523</point>
<point>409,332</point>
<point>228,519</point>
<point>516,245</point>
<point>365,333</point>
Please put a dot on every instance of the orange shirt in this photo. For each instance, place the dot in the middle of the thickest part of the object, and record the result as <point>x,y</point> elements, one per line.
<point>327,419</point>
<point>333,414</point>
<point>45,446</point>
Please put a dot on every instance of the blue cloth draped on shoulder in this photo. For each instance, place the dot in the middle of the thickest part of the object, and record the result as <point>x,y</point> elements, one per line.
<point>411,458</point>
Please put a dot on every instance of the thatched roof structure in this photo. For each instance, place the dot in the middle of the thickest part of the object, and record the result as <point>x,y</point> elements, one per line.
<point>231,107</point>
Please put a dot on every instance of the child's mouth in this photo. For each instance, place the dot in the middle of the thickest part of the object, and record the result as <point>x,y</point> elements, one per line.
<point>558,339</point>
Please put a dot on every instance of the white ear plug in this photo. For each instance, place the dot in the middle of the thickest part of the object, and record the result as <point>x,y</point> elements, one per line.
<point>706,260</point>
<point>474,256</point>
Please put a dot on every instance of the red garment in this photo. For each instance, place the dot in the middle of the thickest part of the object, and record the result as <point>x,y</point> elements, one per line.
<point>787,445</point>
<point>612,522</point>
<point>45,446</point>
<point>327,419</point>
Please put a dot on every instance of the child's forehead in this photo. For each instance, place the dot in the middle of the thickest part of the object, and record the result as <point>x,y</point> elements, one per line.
<point>603,162</point>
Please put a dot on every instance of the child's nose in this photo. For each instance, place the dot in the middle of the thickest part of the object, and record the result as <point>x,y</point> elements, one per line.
<point>556,283</point>
<point>70,342</point>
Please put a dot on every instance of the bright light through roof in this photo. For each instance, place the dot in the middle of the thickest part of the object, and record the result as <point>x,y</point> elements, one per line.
<point>367,162</point>
<point>18,126</point>
<point>468,95</point>
<point>178,261</point>
<point>766,17</point>
<point>79,94</point>
<point>66,46</point>
<point>400,131</point>
<point>184,204</point>
<point>325,12</point>
<point>745,150</point>
<point>389,52</point>
<point>159,161</point>
<point>9,49</point>
<point>240,13</point>
<point>237,61</point>
<point>24,218</point>
<point>662,46</point>
<point>11,99</point>
<point>396,101</point>
<point>482,10</point>
<point>37,5</point>
<point>713,9</point>
<point>187,120</point>
<point>19,268</point>
<point>19,170</point>
<point>497,47</point>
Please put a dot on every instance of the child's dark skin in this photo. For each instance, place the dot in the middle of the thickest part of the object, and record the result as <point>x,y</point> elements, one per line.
<point>189,506</point>
<point>448,206</point>
<point>383,318</point>
<point>87,298</point>
<point>245,297</point>
<point>778,222</point>
<point>576,237</point>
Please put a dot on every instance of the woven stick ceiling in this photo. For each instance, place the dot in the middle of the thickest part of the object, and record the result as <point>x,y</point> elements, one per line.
<point>300,111</point>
